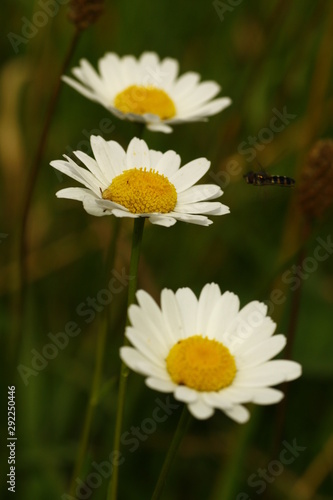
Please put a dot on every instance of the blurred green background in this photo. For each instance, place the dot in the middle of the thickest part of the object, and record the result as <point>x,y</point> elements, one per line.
<point>267,56</point>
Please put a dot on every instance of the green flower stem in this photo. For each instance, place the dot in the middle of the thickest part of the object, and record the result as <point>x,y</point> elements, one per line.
<point>134,264</point>
<point>183,424</point>
<point>100,349</point>
<point>234,469</point>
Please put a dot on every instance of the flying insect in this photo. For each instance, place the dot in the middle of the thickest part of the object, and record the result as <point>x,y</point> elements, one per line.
<point>262,178</point>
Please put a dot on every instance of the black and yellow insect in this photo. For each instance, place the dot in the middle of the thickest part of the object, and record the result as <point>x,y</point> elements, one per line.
<point>264,179</point>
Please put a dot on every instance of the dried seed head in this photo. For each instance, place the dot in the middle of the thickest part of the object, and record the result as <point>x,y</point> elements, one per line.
<point>316,183</point>
<point>83,13</point>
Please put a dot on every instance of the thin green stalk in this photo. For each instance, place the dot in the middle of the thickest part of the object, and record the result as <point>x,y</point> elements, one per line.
<point>233,468</point>
<point>183,424</point>
<point>134,264</point>
<point>100,349</point>
<point>28,196</point>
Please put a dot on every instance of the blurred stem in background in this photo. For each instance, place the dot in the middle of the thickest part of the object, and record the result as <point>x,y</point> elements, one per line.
<point>183,424</point>
<point>124,371</point>
<point>83,13</point>
<point>28,197</point>
<point>99,357</point>
<point>232,470</point>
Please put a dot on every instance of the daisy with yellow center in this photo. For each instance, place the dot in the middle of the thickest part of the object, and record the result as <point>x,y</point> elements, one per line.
<point>148,90</point>
<point>208,352</point>
<point>141,183</point>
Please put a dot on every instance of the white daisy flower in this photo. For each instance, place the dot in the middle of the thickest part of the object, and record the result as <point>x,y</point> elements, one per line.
<point>207,351</point>
<point>148,90</point>
<point>141,183</point>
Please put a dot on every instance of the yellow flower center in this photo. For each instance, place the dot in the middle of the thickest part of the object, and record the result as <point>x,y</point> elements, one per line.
<point>140,100</point>
<point>201,364</point>
<point>142,191</point>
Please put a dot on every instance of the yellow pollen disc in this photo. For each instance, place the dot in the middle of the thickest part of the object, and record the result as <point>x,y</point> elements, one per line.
<point>140,100</point>
<point>201,364</point>
<point>142,192</point>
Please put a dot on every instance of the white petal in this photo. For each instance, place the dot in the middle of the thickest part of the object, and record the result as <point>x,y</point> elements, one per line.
<point>89,75</point>
<point>204,92</point>
<point>212,107</point>
<point>116,155</point>
<point>241,341</point>
<point>129,70</point>
<point>136,361</point>
<point>162,220</point>
<point>172,316</point>
<point>189,174</point>
<point>208,299</point>
<point>236,395</point>
<point>155,333</point>
<point>109,68</point>
<point>184,85</point>
<point>260,353</point>
<point>124,213</point>
<point>155,157</point>
<point>160,385</point>
<point>79,174</point>
<point>74,193</point>
<point>201,220</point>
<point>137,154</point>
<point>149,60</point>
<point>185,394</point>
<point>168,164</point>
<point>266,396</point>
<point>248,320</point>
<point>90,94</point>
<point>108,156</point>
<point>218,400</point>
<point>270,373</point>
<point>90,206</point>
<point>159,127</point>
<point>188,304</point>
<point>201,410</point>
<point>202,207</point>
<point>154,317</point>
<point>238,413</point>
<point>224,312</point>
<point>198,193</point>
<point>147,345</point>
<point>208,207</point>
<point>94,168</point>
<point>168,70</point>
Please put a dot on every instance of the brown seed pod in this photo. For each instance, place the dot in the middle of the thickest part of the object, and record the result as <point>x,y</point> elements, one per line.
<point>316,183</point>
<point>83,13</point>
